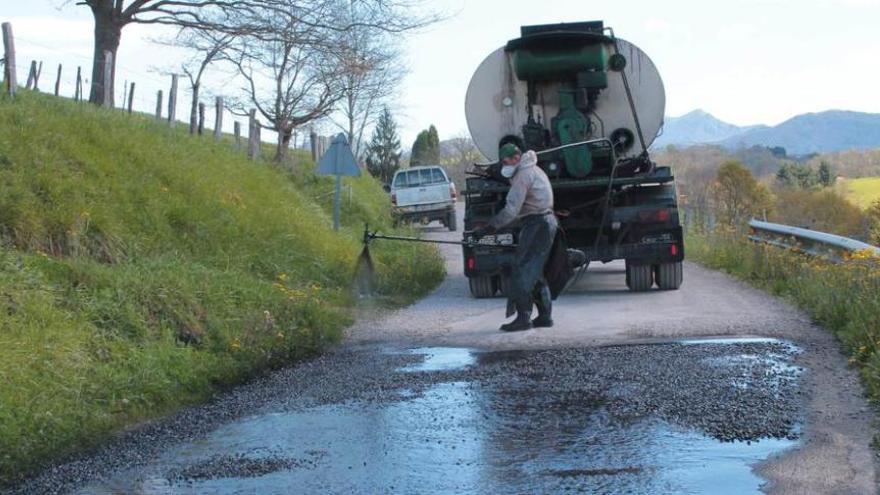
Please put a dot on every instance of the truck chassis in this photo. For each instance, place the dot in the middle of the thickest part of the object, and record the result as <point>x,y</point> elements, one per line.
<point>640,226</point>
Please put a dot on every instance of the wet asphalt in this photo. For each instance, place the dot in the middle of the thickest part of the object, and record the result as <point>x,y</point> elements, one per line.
<point>661,418</point>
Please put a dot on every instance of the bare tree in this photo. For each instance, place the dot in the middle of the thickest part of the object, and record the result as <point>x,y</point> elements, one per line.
<point>111,16</point>
<point>301,71</point>
<point>205,48</point>
<point>290,80</point>
<point>373,73</point>
<point>458,155</point>
<point>235,17</point>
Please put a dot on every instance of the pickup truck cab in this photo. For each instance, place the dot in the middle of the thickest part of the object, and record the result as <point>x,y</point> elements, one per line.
<point>423,194</point>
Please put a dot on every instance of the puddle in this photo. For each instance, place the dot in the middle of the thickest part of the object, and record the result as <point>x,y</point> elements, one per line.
<point>443,443</point>
<point>441,359</point>
<point>468,435</point>
<point>732,340</point>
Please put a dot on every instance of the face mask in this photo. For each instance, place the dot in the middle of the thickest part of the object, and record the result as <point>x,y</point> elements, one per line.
<point>508,170</point>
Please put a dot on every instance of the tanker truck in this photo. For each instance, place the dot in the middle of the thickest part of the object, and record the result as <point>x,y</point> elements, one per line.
<point>590,104</point>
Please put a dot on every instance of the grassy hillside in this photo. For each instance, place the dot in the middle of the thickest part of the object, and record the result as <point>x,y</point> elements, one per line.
<point>141,269</point>
<point>862,191</point>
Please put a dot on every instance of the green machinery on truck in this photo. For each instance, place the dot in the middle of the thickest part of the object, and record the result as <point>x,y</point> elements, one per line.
<point>589,104</point>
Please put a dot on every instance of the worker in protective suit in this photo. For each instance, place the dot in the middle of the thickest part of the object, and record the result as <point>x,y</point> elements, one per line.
<point>529,200</point>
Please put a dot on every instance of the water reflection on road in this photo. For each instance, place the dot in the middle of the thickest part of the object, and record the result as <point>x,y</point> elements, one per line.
<point>455,437</point>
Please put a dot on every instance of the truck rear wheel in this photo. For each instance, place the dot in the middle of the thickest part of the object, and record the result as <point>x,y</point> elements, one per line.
<point>482,287</point>
<point>668,275</point>
<point>639,278</point>
<point>451,223</point>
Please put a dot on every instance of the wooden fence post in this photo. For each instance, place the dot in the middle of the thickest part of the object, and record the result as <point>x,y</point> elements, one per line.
<point>37,77</point>
<point>131,98</point>
<point>78,92</point>
<point>313,144</point>
<point>172,101</point>
<point>201,118</point>
<point>9,53</point>
<point>32,72</point>
<point>108,79</point>
<point>253,137</point>
<point>159,105</point>
<point>58,82</point>
<point>218,118</point>
<point>237,130</point>
<point>324,143</point>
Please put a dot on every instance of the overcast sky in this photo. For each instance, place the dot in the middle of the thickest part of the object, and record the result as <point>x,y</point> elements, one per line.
<point>744,61</point>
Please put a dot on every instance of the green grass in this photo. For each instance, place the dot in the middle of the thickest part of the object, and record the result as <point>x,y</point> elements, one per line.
<point>844,297</point>
<point>142,269</point>
<point>862,191</point>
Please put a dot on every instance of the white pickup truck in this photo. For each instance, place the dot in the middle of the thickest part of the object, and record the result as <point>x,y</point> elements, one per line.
<point>423,194</point>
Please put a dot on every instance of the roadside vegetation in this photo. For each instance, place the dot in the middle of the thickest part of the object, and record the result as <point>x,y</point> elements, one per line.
<point>842,297</point>
<point>142,269</point>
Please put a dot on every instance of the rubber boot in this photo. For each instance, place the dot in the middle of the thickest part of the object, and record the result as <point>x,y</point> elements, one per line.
<point>545,308</point>
<point>523,319</point>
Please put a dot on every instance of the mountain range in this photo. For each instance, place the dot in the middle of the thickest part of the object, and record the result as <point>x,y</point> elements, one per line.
<point>822,132</point>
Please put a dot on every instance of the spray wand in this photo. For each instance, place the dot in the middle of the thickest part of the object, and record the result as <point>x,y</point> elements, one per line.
<point>365,273</point>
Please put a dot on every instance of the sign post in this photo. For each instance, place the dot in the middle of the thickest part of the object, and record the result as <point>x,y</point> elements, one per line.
<point>338,160</point>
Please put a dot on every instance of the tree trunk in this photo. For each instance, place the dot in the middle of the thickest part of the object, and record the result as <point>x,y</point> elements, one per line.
<point>284,136</point>
<point>108,31</point>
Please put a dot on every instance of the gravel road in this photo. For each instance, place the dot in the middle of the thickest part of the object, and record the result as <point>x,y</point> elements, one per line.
<point>660,392</point>
<point>836,455</point>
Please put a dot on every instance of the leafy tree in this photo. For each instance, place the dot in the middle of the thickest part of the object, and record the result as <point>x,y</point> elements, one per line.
<point>737,195</point>
<point>823,210</point>
<point>426,148</point>
<point>383,151</point>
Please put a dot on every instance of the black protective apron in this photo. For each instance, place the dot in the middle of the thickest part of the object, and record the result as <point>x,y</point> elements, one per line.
<point>532,250</point>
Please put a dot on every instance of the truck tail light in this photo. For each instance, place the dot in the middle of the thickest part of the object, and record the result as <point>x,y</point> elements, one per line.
<point>654,216</point>
<point>394,199</point>
<point>673,250</point>
<point>471,263</point>
<point>452,193</point>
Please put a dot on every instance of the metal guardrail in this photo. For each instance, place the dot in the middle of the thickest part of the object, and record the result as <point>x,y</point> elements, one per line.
<point>809,241</point>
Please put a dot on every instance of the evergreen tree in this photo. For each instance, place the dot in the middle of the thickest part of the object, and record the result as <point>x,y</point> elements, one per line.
<point>426,148</point>
<point>383,152</point>
<point>419,150</point>
<point>433,152</point>
<point>784,175</point>
<point>826,179</point>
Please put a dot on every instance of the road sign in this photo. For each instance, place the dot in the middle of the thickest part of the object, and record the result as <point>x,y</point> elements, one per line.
<point>338,160</point>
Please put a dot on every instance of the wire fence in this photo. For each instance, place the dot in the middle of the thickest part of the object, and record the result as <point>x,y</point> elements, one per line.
<point>165,97</point>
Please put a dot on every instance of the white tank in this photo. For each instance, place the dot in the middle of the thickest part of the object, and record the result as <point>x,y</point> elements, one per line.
<point>496,102</point>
